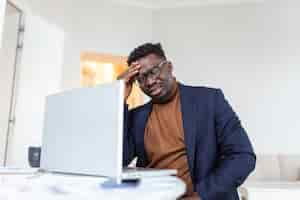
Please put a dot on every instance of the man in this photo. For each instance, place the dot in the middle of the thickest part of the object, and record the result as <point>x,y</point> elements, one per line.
<point>191,129</point>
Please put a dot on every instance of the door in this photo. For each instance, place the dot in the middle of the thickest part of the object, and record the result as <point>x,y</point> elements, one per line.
<point>9,52</point>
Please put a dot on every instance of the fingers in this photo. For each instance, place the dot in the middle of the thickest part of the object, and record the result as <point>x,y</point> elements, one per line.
<point>130,73</point>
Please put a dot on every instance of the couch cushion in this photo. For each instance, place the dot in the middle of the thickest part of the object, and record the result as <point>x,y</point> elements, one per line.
<point>289,167</point>
<point>267,169</point>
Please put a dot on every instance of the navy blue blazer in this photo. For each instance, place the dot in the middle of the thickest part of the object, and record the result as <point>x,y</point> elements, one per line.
<point>220,155</point>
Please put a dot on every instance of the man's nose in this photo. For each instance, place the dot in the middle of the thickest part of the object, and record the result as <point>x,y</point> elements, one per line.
<point>150,81</point>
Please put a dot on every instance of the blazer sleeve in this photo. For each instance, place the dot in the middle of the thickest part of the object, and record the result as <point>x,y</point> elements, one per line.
<point>128,139</point>
<point>236,158</point>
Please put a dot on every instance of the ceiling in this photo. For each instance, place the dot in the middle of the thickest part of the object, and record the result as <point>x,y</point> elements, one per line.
<point>159,4</point>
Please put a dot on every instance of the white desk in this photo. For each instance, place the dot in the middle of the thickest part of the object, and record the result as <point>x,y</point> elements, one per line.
<point>66,187</point>
<point>271,190</point>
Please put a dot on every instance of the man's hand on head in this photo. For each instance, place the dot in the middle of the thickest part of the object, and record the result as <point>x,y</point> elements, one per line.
<point>128,76</point>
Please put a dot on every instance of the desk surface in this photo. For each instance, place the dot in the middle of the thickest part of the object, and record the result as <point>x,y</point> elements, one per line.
<point>66,187</point>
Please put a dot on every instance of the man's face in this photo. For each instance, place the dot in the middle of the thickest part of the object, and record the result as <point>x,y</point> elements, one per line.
<point>155,77</point>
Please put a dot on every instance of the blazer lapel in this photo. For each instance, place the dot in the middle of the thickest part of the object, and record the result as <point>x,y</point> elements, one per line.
<point>141,132</point>
<point>188,110</point>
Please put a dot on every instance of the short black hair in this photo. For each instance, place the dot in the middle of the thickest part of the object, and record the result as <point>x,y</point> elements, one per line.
<point>144,50</point>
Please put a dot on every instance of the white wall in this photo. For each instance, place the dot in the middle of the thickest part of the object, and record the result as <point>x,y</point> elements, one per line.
<point>103,28</point>
<point>2,13</point>
<point>116,32</point>
<point>251,51</point>
<point>97,26</point>
<point>39,75</point>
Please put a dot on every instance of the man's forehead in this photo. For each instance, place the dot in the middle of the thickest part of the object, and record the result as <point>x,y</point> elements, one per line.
<point>149,60</point>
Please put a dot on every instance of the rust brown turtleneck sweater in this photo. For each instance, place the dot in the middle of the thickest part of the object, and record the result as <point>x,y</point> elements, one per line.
<point>164,139</point>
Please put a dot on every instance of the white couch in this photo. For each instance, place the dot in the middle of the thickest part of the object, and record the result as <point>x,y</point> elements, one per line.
<point>273,174</point>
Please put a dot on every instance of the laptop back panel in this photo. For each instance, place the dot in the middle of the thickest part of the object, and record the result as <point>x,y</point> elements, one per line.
<point>83,131</point>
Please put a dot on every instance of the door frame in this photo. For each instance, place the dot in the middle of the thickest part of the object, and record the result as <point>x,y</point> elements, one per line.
<point>13,99</point>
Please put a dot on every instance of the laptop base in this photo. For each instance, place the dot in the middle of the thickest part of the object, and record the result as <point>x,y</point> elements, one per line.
<point>113,184</point>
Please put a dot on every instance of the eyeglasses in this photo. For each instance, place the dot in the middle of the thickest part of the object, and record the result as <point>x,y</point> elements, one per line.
<point>153,73</point>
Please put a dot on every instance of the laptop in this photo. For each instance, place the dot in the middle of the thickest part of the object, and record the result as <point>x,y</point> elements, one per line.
<point>83,134</point>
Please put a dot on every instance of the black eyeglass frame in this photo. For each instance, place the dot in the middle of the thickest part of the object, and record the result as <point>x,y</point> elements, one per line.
<point>153,73</point>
